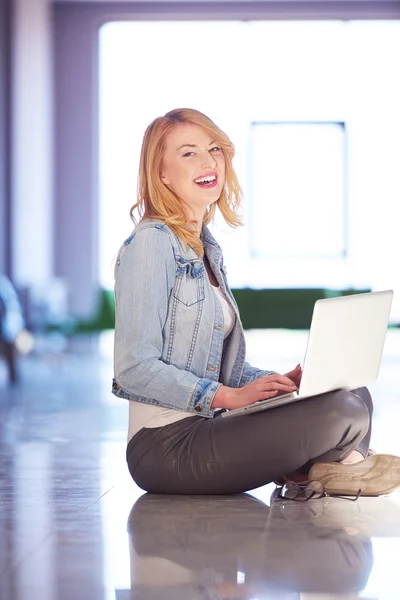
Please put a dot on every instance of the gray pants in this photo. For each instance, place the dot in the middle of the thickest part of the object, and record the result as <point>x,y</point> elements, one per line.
<point>230,456</point>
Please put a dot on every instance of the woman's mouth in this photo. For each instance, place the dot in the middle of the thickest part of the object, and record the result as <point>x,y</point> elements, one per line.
<point>208,181</point>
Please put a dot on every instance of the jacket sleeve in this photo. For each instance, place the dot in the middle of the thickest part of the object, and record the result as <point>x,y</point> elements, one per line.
<point>144,278</point>
<point>250,374</point>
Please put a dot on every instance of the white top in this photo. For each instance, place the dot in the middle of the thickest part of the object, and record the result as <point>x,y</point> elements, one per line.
<point>147,415</point>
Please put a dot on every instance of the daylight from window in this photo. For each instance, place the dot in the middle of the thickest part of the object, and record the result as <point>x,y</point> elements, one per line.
<point>313,111</point>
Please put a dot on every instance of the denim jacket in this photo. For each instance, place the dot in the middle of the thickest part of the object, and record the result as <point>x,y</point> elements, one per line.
<point>169,329</point>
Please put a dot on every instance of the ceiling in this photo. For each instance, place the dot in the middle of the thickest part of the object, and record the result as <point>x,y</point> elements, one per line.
<point>365,2</point>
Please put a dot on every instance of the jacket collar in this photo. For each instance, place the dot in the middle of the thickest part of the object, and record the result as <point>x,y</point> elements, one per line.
<point>211,246</point>
<point>207,238</point>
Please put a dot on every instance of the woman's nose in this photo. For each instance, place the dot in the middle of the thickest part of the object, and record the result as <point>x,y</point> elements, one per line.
<point>208,161</point>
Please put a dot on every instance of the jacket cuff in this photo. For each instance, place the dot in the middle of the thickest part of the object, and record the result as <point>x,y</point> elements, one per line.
<point>202,397</point>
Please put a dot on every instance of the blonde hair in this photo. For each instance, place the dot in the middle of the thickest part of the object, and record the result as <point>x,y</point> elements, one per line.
<point>156,201</point>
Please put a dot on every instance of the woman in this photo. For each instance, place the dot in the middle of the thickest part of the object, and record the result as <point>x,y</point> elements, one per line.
<point>180,347</point>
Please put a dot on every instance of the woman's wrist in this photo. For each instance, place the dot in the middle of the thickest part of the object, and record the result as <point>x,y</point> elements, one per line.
<point>223,397</point>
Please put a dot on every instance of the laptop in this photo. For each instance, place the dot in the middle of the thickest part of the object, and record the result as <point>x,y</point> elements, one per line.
<point>344,348</point>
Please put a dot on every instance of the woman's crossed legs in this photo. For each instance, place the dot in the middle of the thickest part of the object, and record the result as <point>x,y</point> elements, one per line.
<point>231,456</point>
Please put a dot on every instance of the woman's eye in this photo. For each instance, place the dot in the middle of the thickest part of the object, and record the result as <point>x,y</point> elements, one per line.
<point>214,149</point>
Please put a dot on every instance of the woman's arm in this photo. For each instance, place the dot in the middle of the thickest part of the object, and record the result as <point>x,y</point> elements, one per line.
<point>144,277</point>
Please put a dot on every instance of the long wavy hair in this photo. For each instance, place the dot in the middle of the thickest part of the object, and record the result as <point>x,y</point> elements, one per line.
<point>156,201</point>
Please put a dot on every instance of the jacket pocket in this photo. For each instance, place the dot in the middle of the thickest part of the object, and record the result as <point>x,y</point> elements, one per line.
<point>189,287</point>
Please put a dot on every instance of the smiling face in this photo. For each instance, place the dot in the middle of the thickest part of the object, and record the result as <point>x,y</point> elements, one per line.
<point>193,167</point>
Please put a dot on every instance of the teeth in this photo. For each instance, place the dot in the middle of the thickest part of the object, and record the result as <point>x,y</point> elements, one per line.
<point>207,178</point>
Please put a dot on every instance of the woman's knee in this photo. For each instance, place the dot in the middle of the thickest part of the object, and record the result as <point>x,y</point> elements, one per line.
<point>363,393</point>
<point>350,408</point>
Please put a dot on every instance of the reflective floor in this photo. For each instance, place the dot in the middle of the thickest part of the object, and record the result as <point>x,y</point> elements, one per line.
<point>74,526</point>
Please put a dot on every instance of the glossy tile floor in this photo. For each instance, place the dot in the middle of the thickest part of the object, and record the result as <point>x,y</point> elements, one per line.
<point>74,526</point>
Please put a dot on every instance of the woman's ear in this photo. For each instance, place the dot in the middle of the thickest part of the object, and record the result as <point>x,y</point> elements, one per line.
<point>164,179</point>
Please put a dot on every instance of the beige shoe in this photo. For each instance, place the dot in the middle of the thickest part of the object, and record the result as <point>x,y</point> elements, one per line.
<point>375,475</point>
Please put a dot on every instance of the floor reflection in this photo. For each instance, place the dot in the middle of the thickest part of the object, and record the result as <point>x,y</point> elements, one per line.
<point>239,547</point>
<point>73,525</point>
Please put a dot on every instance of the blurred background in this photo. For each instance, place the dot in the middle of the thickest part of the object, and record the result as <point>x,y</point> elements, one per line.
<point>309,94</point>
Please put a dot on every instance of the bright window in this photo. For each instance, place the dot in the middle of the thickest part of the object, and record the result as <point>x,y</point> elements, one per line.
<point>313,110</point>
<point>297,180</point>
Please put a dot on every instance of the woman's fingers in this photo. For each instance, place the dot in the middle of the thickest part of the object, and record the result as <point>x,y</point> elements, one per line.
<point>295,373</point>
<point>284,379</point>
<point>265,395</point>
<point>274,385</point>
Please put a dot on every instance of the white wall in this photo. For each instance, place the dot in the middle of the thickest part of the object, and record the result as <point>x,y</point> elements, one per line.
<point>31,133</point>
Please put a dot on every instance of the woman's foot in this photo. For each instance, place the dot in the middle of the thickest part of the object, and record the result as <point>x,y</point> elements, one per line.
<point>375,475</point>
<point>297,477</point>
<point>353,457</point>
<point>302,479</point>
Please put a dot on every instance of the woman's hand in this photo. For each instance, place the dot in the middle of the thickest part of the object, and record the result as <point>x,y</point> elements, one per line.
<point>295,375</point>
<point>267,386</point>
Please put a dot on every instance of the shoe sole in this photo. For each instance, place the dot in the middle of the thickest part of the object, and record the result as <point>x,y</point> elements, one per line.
<point>375,475</point>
